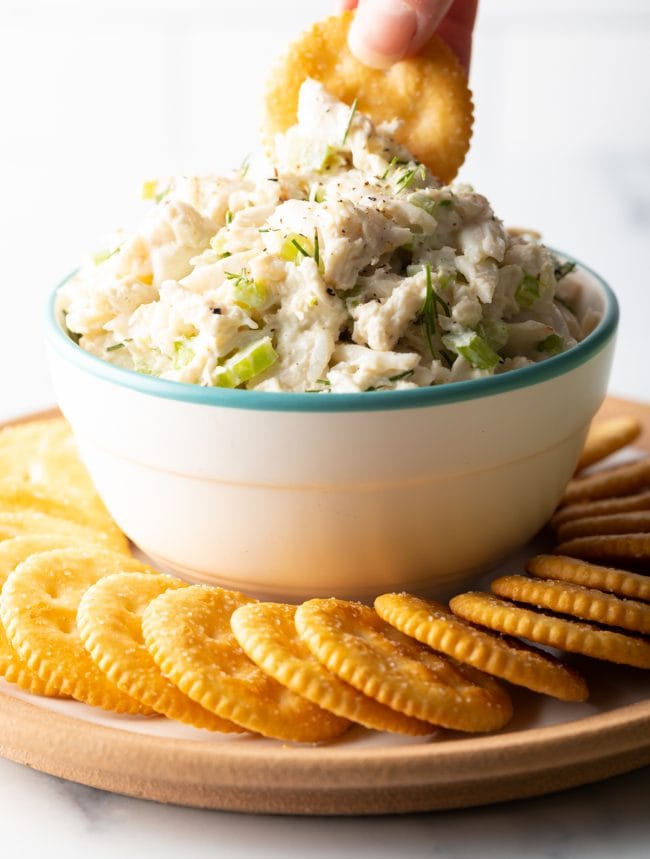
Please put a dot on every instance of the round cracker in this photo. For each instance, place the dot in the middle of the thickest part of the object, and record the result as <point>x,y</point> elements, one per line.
<point>611,548</point>
<point>604,507</point>
<point>436,626</point>
<point>42,456</point>
<point>188,634</point>
<point>426,93</point>
<point>576,601</point>
<point>558,567</point>
<point>353,642</point>
<point>572,635</point>
<point>12,553</point>
<point>635,522</point>
<point>109,620</point>
<point>268,635</point>
<point>20,523</point>
<point>16,497</point>
<point>626,479</point>
<point>39,609</point>
<point>606,437</point>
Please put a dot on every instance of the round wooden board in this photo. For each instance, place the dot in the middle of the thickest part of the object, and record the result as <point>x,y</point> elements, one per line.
<point>349,777</point>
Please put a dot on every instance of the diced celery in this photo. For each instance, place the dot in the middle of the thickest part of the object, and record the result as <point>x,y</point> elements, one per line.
<point>183,353</point>
<point>246,364</point>
<point>552,345</point>
<point>527,292</point>
<point>249,293</point>
<point>495,332</point>
<point>473,348</point>
<point>295,247</point>
<point>317,194</point>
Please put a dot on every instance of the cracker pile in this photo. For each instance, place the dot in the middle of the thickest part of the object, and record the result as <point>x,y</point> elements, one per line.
<point>82,618</point>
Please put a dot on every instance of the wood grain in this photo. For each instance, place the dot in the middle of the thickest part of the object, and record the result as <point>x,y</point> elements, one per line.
<point>334,779</point>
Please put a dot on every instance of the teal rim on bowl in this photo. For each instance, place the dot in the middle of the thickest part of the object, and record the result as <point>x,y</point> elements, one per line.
<point>368,401</point>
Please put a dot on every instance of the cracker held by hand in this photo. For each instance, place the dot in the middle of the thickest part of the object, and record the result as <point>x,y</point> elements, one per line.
<point>352,641</point>
<point>188,634</point>
<point>579,572</point>
<point>39,611</point>
<point>267,633</point>
<point>110,626</point>
<point>575,600</point>
<point>572,635</point>
<point>606,437</point>
<point>435,625</point>
<point>427,94</point>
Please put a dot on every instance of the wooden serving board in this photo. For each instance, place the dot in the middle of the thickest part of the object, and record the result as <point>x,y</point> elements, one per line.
<point>549,746</point>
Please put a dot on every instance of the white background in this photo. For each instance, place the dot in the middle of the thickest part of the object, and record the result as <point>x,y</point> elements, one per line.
<point>96,96</point>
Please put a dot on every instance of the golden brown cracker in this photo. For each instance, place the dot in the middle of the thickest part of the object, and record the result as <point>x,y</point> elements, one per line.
<point>571,635</point>
<point>188,634</point>
<point>38,608</point>
<point>606,437</point>
<point>109,620</point>
<point>436,626</point>
<point>42,456</point>
<point>604,507</point>
<point>627,479</point>
<point>575,600</point>
<point>12,553</point>
<point>18,497</point>
<point>22,523</point>
<point>268,635</point>
<point>637,522</point>
<point>611,548</point>
<point>630,585</point>
<point>427,93</point>
<point>353,642</point>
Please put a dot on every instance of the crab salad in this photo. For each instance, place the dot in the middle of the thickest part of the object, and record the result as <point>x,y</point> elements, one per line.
<point>333,263</point>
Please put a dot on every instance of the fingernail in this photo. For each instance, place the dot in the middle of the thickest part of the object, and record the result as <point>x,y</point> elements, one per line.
<point>381,32</point>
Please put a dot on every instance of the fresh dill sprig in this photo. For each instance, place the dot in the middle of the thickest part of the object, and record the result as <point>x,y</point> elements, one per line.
<point>428,312</point>
<point>353,110</point>
<point>400,376</point>
<point>299,248</point>
<point>316,247</point>
<point>427,315</point>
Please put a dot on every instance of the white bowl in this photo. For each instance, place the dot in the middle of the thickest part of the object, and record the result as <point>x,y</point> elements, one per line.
<point>291,496</point>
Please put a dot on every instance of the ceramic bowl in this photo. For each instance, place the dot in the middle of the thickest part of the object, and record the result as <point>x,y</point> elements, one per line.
<point>289,496</point>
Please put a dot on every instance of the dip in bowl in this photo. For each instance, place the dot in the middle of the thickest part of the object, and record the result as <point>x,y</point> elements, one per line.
<point>294,495</point>
<point>328,374</point>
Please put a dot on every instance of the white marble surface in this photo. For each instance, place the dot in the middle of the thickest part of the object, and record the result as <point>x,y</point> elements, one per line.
<point>98,95</point>
<point>43,816</point>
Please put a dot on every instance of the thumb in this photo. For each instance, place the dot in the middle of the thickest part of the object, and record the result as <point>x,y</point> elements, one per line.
<point>383,31</point>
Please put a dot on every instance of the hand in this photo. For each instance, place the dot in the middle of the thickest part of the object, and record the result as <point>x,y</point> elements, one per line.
<point>385,31</point>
